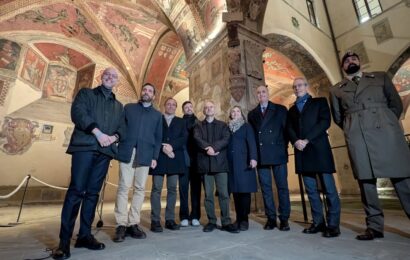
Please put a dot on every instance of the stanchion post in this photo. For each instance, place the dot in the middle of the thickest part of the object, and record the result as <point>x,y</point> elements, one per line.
<point>302,196</point>
<point>22,200</point>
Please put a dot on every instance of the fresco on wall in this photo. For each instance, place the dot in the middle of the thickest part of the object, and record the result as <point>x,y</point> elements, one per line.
<point>134,29</point>
<point>63,54</point>
<point>167,5</point>
<point>4,89</point>
<point>279,74</point>
<point>172,87</point>
<point>17,135</point>
<point>402,82</point>
<point>163,58</point>
<point>189,34</point>
<point>9,54</point>
<point>33,69</point>
<point>84,79</point>
<point>211,13</point>
<point>64,19</point>
<point>60,83</point>
<point>179,70</point>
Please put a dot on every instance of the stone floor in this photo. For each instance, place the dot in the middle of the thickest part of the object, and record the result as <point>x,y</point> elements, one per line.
<point>40,225</point>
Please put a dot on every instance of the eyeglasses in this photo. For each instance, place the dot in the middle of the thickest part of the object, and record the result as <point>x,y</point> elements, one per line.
<point>299,85</point>
<point>114,76</point>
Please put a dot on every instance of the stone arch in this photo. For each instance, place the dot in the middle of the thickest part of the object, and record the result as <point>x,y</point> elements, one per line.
<point>303,59</point>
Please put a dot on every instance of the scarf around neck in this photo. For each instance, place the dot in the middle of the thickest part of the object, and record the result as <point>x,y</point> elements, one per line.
<point>235,124</point>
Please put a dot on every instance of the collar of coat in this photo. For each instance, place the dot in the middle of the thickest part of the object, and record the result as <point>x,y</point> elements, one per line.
<point>346,80</point>
<point>98,90</point>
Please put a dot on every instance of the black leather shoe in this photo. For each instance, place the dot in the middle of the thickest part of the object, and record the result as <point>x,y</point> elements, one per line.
<point>170,224</point>
<point>284,226</point>
<point>209,227</point>
<point>90,243</point>
<point>136,232</point>
<point>230,228</point>
<point>119,234</point>
<point>243,225</point>
<point>370,234</point>
<point>63,251</point>
<point>270,224</point>
<point>332,232</point>
<point>313,229</point>
<point>156,227</point>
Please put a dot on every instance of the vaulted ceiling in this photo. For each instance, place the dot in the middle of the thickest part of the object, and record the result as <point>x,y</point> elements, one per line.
<point>138,37</point>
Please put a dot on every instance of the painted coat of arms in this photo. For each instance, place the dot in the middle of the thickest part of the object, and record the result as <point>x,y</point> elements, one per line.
<point>17,135</point>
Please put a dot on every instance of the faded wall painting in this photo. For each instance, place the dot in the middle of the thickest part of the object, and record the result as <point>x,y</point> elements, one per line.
<point>190,35</point>
<point>279,74</point>
<point>179,70</point>
<point>33,69</point>
<point>60,83</point>
<point>402,82</point>
<point>211,13</point>
<point>9,54</point>
<point>17,135</point>
<point>84,79</point>
<point>63,54</point>
<point>64,19</point>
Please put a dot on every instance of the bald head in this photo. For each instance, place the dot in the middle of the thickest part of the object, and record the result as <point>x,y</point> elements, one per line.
<point>109,78</point>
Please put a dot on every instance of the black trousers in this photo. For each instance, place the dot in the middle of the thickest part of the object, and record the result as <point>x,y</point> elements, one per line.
<point>88,171</point>
<point>193,179</point>
<point>242,206</point>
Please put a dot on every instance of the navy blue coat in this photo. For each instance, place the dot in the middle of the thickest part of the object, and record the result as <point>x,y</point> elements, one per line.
<point>270,133</point>
<point>311,124</point>
<point>176,135</point>
<point>144,132</point>
<point>241,149</point>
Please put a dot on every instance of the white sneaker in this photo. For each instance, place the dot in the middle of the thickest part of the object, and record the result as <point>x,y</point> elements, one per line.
<point>195,222</point>
<point>184,223</point>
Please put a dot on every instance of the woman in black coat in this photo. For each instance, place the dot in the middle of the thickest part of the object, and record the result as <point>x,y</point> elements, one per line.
<point>308,121</point>
<point>242,158</point>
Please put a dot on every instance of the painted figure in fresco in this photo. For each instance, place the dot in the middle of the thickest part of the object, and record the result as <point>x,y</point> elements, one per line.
<point>269,124</point>
<point>308,121</point>
<point>367,107</point>
<point>18,134</point>
<point>254,9</point>
<point>92,146</point>
<point>9,54</point>
<point>137,154</point>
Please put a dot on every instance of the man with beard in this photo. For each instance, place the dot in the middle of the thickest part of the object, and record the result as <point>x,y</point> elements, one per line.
<point>99,122</point>
<point>138,152</point>
<point>191,177</point>
<point>367,107</point>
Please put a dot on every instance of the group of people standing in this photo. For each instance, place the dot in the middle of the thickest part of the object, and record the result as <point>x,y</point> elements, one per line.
<point>230,156</point>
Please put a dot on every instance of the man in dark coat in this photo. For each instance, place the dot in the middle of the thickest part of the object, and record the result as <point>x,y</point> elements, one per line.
<point>212,138</point>
<point>99,121</point>
<point>171,162</point>
<point>191,180</point>
<point>137,154</point>
<point>367,107</point>
<point>308,121</point>
<point>269,124</point>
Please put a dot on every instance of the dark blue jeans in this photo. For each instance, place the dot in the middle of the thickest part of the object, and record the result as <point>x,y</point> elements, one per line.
<point>88,171</point>
<point>280,173</point>
<point>332,198</point>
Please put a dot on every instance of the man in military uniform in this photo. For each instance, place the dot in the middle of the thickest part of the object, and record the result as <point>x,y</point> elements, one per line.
<point>367,107</point>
